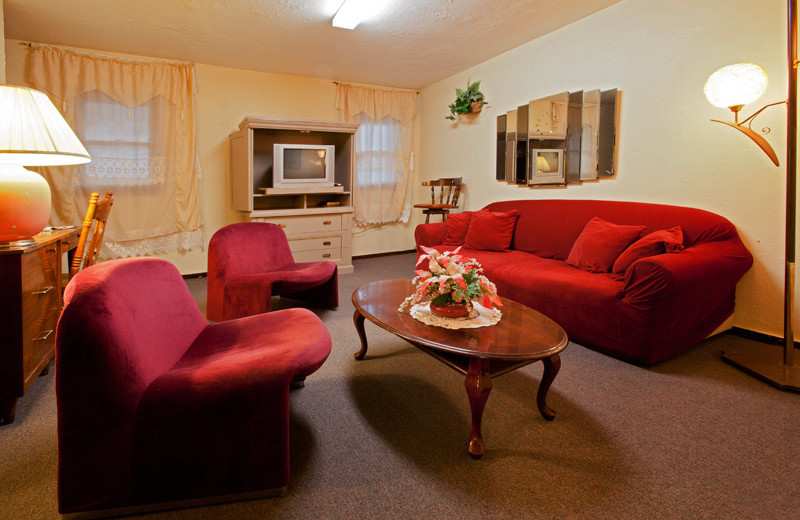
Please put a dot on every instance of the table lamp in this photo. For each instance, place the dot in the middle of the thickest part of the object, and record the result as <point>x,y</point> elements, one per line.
<point>32,133</point>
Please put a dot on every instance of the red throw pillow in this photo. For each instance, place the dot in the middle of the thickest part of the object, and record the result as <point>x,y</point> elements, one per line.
<point>656,243</point>
<point>491,231</point>
<point>457,226</point>
<point>600,243</point>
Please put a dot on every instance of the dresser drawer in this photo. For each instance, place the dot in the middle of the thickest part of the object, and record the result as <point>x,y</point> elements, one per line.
<point>316,255</point>
<point>40,308</point>
<point>306,224</point>
<point>310,244</point>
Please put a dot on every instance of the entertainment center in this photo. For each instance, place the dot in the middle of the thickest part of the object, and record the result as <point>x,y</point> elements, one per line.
<point>316,216</point>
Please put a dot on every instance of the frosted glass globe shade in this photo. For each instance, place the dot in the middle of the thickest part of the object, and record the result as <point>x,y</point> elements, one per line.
<point>737,84</point>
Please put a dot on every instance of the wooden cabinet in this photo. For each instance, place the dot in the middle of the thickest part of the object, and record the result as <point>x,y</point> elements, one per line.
<point>317,220</point>
<point>29,309</point>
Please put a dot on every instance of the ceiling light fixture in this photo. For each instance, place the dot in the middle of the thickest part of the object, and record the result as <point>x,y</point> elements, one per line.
<point>353,12</point>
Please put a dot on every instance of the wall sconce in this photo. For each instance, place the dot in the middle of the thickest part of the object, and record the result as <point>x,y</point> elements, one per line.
<point>735,86</point>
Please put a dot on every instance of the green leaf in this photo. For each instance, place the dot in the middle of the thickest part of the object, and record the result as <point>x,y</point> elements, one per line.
<point>442,299</point>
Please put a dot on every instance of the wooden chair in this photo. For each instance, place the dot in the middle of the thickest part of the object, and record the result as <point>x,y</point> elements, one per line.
<point>443,201</point>
<point>98,211</point>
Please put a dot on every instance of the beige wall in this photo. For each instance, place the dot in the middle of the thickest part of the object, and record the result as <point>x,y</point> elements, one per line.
<point>2,45</point>
<point>659,54</point>
<point>224,98</point>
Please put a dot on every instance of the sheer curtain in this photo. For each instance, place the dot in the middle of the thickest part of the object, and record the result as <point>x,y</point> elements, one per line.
<point>137,120</point>
<point>383,150</point>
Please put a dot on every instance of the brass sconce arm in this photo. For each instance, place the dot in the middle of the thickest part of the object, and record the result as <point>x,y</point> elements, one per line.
<point>745,128</point>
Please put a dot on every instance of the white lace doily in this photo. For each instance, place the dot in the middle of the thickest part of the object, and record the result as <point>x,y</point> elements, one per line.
<point>479,317</point>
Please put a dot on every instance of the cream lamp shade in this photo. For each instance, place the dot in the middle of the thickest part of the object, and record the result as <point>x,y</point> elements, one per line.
<point>32,133</point>
<point>736,85</point>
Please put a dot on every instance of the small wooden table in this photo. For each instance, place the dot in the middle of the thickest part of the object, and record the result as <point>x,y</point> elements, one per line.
<point>521,337</point>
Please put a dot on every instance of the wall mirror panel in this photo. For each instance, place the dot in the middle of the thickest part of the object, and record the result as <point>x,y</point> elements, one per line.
<point>558,140</point>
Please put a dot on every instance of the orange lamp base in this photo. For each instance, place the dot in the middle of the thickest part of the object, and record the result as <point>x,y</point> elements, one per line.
<point>24,203</point>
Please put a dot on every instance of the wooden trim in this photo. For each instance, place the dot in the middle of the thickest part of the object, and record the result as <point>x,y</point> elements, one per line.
<point>759,336</point>
<point>298,124</point>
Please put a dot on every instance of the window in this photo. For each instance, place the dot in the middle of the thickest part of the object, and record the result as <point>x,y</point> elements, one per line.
<point>377,151</point>
<point>123,141</point>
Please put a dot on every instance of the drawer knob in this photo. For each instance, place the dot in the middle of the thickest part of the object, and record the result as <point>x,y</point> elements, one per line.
<point>44,291</point>
<point>326,255</point>
<point>326,222</point>
<point>44,336</point>
<point>50,250</point>
<point>326,243</point>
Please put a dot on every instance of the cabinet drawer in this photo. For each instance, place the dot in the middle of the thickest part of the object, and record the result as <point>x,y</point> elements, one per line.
<point>40,308</point>
<point>294,226</point>
<point>310,244</point>
<point>317,255</point>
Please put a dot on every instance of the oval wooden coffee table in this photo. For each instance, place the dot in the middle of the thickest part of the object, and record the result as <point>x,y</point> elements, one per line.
<point>521,337</point>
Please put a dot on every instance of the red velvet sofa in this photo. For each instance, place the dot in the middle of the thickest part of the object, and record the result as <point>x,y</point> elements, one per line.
<point>658,307</point>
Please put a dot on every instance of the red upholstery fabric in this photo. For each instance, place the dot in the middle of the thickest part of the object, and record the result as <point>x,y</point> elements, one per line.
<point>656,243</point>
<point>250,262</point>
<point>456,228</point>
<point>664,305</point>
<point>600,243</point>
<point>491,231</point>
<point>155,404</point>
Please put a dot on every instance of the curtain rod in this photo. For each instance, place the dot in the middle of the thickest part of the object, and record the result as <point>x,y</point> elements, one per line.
<point>91,54</point>
<point>376,87</point>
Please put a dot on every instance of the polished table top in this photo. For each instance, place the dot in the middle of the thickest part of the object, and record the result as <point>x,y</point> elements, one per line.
<point>521,334</point>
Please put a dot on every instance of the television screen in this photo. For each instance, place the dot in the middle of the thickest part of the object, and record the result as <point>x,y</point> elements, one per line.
<point>303,164</point>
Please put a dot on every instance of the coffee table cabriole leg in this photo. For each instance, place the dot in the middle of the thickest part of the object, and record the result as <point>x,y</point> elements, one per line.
<point>478,384</point>
<point>552,365</point>
<point>358,321</point>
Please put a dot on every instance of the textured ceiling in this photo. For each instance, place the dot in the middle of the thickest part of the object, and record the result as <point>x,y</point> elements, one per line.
<point>411,43</point>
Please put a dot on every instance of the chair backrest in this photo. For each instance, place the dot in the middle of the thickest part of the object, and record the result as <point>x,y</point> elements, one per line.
<point>125,322</point>
<point>247,248</point>
<point>97,212</point>
<point>448,191</point>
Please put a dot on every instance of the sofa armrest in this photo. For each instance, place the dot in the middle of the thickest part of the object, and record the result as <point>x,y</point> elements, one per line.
<point>694,277</point>
<point>429,234</point>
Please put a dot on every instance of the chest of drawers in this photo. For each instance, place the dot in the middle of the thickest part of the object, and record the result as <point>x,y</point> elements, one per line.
<point>316,236</point>
<point>29,309</point>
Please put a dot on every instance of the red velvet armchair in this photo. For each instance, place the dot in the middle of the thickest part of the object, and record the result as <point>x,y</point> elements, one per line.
<point>250,262</point>
<point>159,409</point>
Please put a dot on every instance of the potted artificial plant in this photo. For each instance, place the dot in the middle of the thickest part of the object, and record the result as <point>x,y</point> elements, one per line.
<point>469,101</point>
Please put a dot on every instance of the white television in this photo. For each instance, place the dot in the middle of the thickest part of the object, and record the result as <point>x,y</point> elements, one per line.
<point>303,165</point>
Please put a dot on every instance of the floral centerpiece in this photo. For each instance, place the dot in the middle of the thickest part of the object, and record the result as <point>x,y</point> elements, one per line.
<point>451,283</point>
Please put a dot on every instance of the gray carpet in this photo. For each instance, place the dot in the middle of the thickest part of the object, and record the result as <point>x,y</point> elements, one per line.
<point>386,438</point>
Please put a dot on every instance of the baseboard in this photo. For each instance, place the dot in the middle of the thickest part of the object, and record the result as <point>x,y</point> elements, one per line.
<point>390,253</point>
<point>194,275</point>
<point>759,336</point>
<point>175,504</point>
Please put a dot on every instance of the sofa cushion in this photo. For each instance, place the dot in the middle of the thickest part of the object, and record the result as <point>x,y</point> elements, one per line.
<point>656,243</point>
<point>600,244</point>
<point>457,226</point>
<point>491,231</point>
